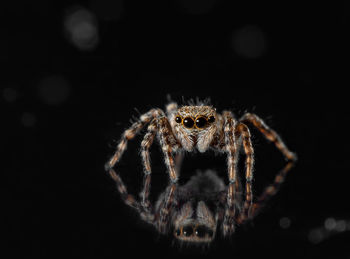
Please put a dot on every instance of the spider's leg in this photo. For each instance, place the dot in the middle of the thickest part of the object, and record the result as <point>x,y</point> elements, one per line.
<point>168,143</point>
<point>178,161</point>
<point>171,107</point>
<point>270,134</point>
<point>126,197</point>
<point>230,210</point>
<point>165,208</point>
<point>243,131</point>
<point>230,145</point>
<point>130,133</point>
<point>145,154</point>
<point>146,144</point>
<point>271,190</point>
<point>248,204</point>
<point>130,199</point>
<point>145,202</point>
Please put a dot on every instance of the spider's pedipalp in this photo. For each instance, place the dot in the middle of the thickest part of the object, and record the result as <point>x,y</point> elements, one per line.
<point>195,223</point>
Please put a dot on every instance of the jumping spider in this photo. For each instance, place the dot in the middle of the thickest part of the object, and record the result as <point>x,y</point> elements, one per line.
<point>204,206</point>
<point>197,127</point>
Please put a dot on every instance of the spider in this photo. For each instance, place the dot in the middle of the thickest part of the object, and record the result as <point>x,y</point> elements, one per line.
<point>197,128</point>
<point>196,211</point>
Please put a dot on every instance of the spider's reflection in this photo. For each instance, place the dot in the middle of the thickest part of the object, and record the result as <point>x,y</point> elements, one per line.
<point>203,207</point>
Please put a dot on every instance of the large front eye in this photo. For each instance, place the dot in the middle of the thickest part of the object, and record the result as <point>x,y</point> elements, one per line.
<point>188,231</point>
<point>188,122</point>
<point>200,231</point>
<point>178,119</point>
<point>201,122</point>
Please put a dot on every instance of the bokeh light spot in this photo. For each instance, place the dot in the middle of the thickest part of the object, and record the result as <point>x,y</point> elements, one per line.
<point>330,224</point>
<point>315,236</point>
<point>81,28</point>
<point>341,226</point>
<point>54,90</point>
<point>285,222</point>
<point>249,42</point>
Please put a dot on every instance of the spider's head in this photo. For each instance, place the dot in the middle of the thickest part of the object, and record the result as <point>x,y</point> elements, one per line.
<point>195,126</point>
<point>199,226</point>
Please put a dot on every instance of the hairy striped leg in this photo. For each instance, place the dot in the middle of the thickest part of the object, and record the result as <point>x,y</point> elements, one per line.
<point>243,132</point>
<point>230,145</point>
<point>232,157</point>
<point>130,133</point>
<point>171,107</point>
<point>247,206</point>
<point>168,143</point>
<point>165,209</point>
<point>178,161</point>
<point>271,190</point>
<point>145,202</point>
<point>270,134</point>
<point>230,210</point>
<point>146,144</point>
<point>130,199</point>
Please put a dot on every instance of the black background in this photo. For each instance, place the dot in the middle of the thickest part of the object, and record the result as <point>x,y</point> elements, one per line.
<point>66,106</point>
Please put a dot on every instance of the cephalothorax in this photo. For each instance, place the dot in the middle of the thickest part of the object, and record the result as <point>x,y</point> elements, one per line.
<point>198,128</point>
<point>201,208</point>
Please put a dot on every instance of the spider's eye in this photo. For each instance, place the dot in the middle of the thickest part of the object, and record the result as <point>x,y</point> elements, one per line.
<point>201,122</point>
<point>211,119</point>
<point>178,119</point>
<point>188,231</point>
<point>210,233</point>
<point>188,122</point>
<point>200,231</point>
<point>178,232</point>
